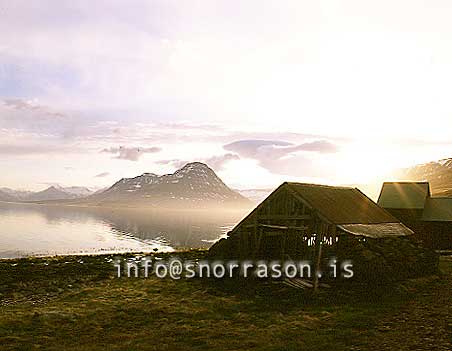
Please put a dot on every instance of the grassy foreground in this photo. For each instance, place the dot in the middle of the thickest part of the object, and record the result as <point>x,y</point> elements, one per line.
<point>77,303</point>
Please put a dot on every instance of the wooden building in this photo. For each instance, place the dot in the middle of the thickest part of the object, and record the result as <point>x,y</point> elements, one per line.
<point>405,200</point>
<point>428,216</point>
<point>296,218</point>
<point>319,223</point>
<point>437,223</point>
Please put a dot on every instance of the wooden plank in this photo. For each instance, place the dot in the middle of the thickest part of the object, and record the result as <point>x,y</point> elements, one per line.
<point>285,217</point>
<point>303,282</point>
<point>258,244</point>
<point>300,283</point>
<point>259,207</point>
<point>272,226</point>
<point>283,246</point>
<point>292,285</point>
<point>245,244</point>
<point>283,189</point>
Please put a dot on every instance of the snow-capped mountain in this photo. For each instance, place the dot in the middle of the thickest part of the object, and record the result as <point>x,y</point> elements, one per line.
<point>16,194</point>
<point>51,193</point>
<point>79,191</point>
<point>195,184</point>
<point>438,173</point>
<point>5,196</point>
<point>54,192</point>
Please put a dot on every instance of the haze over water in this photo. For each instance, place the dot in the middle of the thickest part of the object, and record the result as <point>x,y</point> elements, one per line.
<point>35,230</point>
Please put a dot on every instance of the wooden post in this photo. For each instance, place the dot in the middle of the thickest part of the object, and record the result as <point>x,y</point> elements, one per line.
<point>318,245</point>
<point>255,225</point>
<point>283,245</point>
<point>239,233</point>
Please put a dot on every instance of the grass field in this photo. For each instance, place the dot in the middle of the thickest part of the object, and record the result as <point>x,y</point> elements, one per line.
<point>77,303</point>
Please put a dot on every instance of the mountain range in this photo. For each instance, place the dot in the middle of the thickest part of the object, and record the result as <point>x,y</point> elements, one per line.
<point>437,173</point>
<point>54,192</point>
<point>194,185</point>
<point>197,185</point>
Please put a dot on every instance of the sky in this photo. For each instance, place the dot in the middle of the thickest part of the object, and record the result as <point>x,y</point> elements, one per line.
<point>336,92</point>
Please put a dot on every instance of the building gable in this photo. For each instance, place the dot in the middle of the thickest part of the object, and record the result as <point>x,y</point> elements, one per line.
<point>404,195</point>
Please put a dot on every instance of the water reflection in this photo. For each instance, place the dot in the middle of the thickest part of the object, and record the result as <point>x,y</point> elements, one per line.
<point>28,229</point>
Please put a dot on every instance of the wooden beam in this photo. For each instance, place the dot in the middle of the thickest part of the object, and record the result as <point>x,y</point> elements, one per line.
<point>288,217</point>
<point>260,206</point>
<point>271,226</point>
<point>307,204</point>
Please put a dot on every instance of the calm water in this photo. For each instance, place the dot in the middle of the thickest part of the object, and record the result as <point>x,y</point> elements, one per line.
<point>28,229</point>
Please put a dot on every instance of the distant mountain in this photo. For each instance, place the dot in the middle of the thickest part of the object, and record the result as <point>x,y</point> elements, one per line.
<point>4,196</point>
<point>437,173</point>
<point>51,193</point>
<point>255,195</point>
<point>194,185</point>
<point>79,191</point>
<point>16,194</point>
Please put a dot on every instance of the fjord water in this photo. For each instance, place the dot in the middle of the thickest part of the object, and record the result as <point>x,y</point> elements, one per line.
<point>36,230</point>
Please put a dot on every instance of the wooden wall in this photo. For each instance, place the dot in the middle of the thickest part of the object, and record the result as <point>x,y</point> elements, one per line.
<point>282,227</point>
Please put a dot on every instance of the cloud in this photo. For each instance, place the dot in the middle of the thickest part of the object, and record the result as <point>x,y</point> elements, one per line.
<point>176,163</point>
<point>159,55</point>
<point>54,124</point>
<point>30,117</point>
<point>277,156</point>
<point>101,175</point>
<point>320,146</point>
<point>131,153</point>
<point>218,162</point>
<point>282,157</point>
<point>19,104</point>
<point>259,148</point>
<point>215,162</point>
<point>32,149</point>
<point>252,148</point>
<point>30,105</point>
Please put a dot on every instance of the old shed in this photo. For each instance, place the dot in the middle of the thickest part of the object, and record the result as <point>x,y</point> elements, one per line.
<point>316,222</point>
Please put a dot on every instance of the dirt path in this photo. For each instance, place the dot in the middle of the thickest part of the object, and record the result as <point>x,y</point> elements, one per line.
<point>424,323</point>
